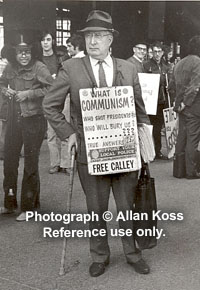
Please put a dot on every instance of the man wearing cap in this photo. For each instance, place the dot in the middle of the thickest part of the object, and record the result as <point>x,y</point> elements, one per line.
<point>140,51</point>
<point>82,73</point>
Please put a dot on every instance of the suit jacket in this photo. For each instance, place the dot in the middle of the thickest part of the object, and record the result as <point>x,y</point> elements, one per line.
<point>138,65</point>
<point>77,74</point>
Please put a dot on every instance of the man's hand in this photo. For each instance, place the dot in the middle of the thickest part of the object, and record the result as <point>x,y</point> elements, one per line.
<point>72,141</point>
<point>181,107</point>
<point>21,96</point>
<point>8,92</point>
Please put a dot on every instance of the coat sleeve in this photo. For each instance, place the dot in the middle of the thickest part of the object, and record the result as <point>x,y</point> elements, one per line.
<point>53,105</point>
<point>44,81</point>
<point>4,82</point>
<point>193,87</point>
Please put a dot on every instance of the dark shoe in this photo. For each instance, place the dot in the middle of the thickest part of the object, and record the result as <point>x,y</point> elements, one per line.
<point>97,269</point>
<point>54,169</point>
<point>140,267</point>
<point>64,170</point>
<point>161,156</point>
<point>197,176</point>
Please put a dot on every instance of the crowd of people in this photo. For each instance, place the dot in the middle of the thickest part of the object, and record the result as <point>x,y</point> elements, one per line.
<point>40,95</point>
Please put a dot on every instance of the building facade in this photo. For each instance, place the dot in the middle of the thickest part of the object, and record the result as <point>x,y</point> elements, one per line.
<point>169,21</point>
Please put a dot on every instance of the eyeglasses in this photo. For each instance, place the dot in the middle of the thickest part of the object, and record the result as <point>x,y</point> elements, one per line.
<point>157,51</point>
<point>141,48</point>
<point>96,35</point>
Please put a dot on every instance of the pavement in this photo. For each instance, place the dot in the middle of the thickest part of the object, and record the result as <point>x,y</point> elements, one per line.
<point>28,261</point>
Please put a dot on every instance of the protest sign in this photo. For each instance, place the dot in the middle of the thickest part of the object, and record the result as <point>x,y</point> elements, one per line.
<point>110,129</point>
<point>171,130</point>
<point>150,86</point>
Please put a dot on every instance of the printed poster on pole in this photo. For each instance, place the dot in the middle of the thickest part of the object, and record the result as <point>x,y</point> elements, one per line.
<point>110,129</point>
<point>150,87</point>
<point>171,130</point>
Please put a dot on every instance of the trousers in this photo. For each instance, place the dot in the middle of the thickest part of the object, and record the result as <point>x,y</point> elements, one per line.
<point>58,149</point>
<point>97,191</point>
<point>2,138</point>
<point>29,131</point>
<point>188,140</point>
<point>157,121</point>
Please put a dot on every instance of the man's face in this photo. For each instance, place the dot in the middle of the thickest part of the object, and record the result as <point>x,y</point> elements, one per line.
<point>23,56</point>
<point>140,51</point>
<point>150,53</point>
<point>157,53</point>
<point>98,43</point>
<point>47,43</point>
<point>71,49</point>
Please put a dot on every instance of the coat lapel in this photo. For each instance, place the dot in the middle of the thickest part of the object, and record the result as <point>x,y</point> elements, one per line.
<point>117,74</point>
<point>89,71</point>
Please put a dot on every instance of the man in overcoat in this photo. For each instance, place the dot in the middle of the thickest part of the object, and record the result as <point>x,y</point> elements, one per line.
<point>185,88</point>
<point>84,73</point>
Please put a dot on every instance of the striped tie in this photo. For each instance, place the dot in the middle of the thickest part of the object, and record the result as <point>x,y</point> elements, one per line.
<point>102,76</point>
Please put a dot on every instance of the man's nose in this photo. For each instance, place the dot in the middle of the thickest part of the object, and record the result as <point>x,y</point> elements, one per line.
<point>93,39</point>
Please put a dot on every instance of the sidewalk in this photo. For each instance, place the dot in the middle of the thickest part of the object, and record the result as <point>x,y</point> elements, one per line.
<point>30,262</point>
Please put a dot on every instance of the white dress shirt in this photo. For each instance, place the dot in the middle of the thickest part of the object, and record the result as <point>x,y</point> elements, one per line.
<point>107,66</point>
<point>80,54</point>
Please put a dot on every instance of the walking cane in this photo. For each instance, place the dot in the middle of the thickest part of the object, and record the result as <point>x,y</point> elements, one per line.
<point>69,198</point>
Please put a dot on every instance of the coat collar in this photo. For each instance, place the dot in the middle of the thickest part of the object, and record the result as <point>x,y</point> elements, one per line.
<point>117,72</point>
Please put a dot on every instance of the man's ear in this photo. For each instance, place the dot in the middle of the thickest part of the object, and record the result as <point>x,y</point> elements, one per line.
<point>133,49</point>
<point>111,39</point>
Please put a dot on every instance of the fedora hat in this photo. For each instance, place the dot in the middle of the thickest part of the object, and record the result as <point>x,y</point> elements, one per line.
<point>99,20</point>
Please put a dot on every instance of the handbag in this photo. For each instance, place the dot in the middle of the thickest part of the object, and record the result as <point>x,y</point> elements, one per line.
<point>145,203</point>
<point>179,166</point>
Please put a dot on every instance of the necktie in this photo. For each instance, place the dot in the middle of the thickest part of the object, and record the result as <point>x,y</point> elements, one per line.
<point>102,76</point>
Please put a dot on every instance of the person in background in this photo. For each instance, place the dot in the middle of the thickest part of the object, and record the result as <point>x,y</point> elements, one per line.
<point>156,66</point>
<point>76,49</point>
<point>185,87</point>
<point>76,46</point>
<point>24,92</point>
<point>150,52</point>
<point>140,52</point>
<point>62,54</point>
<point>59,161</point>
<point>167,59</point>
<point>98,69</point>
<point>3,105</point>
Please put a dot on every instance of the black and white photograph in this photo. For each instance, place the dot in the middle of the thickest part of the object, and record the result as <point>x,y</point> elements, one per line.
<point>99,145</point>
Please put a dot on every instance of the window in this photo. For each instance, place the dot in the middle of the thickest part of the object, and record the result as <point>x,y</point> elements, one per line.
<point>63,26</point>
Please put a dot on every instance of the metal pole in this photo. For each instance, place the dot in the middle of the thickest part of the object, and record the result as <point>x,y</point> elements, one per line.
<point>69,198</point>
